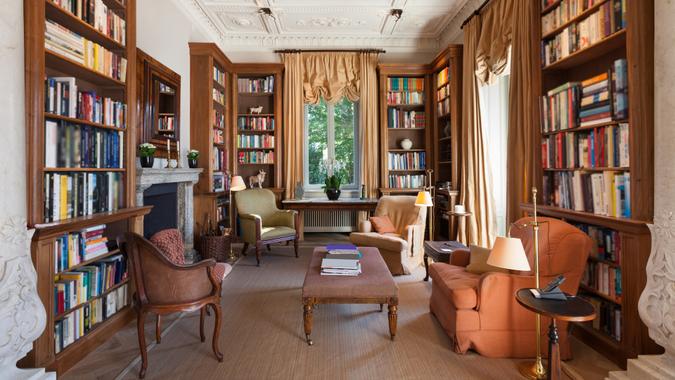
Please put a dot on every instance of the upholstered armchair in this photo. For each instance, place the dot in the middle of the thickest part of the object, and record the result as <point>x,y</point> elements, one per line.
<point>480,312</point>
<point>163,287</point>
<point>262,223</point>
<point>403,250</point>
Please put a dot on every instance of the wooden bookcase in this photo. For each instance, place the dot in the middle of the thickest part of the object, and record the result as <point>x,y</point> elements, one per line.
<point>242,118</point>
<point>40,64</point>
<point>635,43</point>
<point>447,119</point>
<point>211,133</point>
<point>392,131</point>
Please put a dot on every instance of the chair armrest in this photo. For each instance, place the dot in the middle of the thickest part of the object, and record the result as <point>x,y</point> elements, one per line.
<point>415,238</point>
<point>283,218</point>
<point>365,226</point>
<point>497,302</point>
<point>251,227</point>
<point>182,283</point>
<point>460,257</point>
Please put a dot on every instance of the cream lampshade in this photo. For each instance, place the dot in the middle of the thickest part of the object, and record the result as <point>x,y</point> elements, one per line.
<point>237,183</point>
<point>424,199</point>
<point>508,253</point>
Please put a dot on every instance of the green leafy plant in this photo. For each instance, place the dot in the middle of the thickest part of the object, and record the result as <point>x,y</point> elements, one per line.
<point>331,182</point>
<point>193,154</point>
<point>146,150</point>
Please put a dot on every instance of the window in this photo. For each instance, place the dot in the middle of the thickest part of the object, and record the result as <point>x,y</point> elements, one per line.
<point>331,143</point>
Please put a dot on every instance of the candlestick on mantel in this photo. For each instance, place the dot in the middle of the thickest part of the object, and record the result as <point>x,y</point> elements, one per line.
<point>178,156</point>
<point>168,153</point>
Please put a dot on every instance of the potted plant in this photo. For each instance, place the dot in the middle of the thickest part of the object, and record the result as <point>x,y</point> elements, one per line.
<point>147,153</point>
<point>332,187</point>
<point>193,156</point>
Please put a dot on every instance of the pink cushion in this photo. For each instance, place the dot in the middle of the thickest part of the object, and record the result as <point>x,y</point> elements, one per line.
<point>221,270</point>
<point>170,243</point>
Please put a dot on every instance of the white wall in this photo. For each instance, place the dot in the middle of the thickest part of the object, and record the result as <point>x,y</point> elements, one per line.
<point>163,32</point>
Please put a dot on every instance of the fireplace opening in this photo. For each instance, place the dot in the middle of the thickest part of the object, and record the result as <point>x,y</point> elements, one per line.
<point>164,214</point>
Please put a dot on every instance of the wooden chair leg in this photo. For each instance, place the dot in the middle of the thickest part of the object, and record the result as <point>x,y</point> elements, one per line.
<point>258,248</point>
<point>216,332</point>
<point>202,312</point>
<point>158,329</point>
<point>243,251</point>
<point>269,249</point>
<point>140,325</point>
<point>295,246</point>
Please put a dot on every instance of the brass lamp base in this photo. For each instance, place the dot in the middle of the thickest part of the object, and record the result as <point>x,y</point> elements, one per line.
<point>532,370</point>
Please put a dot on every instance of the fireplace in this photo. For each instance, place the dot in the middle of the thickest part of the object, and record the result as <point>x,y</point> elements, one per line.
<point>164,214</point>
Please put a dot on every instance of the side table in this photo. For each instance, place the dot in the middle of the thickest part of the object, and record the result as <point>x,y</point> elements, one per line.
<point>574,309</point>
<point>440,252</point>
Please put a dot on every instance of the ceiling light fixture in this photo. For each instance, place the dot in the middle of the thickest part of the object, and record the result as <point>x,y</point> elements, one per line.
<point>265,11</point>
<point>395,13</point>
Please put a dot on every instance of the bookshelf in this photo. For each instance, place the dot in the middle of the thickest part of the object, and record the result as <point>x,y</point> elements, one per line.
<point>447,119</point>
<point>596,167</point>
<point>405,109</point>
<point>211,79</point>
<point>78,184</point>
<point>257,134</point>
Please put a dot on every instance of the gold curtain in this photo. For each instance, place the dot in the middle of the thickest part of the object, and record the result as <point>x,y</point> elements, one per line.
<point>523,108</point>
<point>368,132</point>
<point>331,76</point>
<point>479,227</point>
<point>495,37</point>
<point>294,121</point>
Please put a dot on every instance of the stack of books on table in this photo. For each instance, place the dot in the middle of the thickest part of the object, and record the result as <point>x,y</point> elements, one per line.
<point>341,260</point>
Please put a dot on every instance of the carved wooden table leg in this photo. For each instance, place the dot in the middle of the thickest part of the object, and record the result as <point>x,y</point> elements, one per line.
<point>308,320</point>
<point>426,267</point>
<point>553,352</point>
<point>393,308</point>
<point>381,308</point>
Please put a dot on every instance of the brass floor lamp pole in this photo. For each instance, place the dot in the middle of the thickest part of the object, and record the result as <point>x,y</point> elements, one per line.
<point>431,191</point>
<point>528,369</point>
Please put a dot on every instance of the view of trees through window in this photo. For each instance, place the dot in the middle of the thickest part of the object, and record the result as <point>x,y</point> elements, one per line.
<point>331,134</point>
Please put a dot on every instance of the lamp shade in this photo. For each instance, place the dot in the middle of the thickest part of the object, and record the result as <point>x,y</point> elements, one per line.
<point>424,199</point>
<point>508,253</point>
<point>237,183</point>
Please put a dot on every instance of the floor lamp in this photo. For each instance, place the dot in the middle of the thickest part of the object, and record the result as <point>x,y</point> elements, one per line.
<point>237,184</point>
<point>426,199</point>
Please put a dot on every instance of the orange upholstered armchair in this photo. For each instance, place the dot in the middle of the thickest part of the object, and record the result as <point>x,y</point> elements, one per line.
<point>480,312</point>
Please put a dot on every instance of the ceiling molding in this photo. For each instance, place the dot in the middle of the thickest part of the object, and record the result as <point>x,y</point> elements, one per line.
<point>453,29</point>
<point>196,12</point>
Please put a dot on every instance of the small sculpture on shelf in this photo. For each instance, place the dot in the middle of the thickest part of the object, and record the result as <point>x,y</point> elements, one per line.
<point>257,179</point>
<point>146,152</point>
<point>193,156</point>
<point>406,144</point>
<point>255,110</point>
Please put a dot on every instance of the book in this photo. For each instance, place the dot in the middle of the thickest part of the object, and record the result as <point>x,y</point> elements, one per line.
<point>256,85</point>
<point>331,247</point>
<point>327,263</point>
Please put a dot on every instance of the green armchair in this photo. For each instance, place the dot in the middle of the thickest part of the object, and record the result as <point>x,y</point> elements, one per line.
<point>262,223</point>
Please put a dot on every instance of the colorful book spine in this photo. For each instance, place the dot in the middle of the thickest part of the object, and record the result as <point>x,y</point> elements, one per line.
<point>256,85</point>
<point>260,157</point>
<point>255,123</point>
<point>407,161</point>
<point>80,146</point>
<point>69,195</point>
<point>255,141</point>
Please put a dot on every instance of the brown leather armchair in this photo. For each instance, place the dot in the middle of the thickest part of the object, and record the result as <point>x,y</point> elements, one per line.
<point>163,287</point>
<point>480,312</point>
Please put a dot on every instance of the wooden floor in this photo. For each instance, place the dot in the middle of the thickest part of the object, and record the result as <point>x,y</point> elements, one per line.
<point>262,336</point>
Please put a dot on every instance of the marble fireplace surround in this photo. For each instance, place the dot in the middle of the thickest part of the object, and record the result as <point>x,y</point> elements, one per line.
<point>186,179</point>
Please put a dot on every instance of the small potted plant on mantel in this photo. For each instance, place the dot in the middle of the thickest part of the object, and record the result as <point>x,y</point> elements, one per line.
<point>146,151</point>
<point>193,156</point>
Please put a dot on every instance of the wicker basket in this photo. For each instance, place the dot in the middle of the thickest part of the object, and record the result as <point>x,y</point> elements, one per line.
<point>215,247</point>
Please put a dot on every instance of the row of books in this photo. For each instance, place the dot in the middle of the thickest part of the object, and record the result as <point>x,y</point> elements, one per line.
<point>218,136</point>
<point>63,98</point>
<point>405,98</point>
<point>255,141</point>
<point>221,213</point>
<point>74,248</point>
<point>256,123</point>
<point>219,160</point>
<point>405,84</point>
<point>76,287</point>
<point>443,77</point>
<point>166,89</point>
<point>560,108</point>
<point>443,92</point>
<point>166,123</point>
<point>603,278</point>
<point>78,323</point>
<point>341,260</point>
<point>261,157</point>
<point>609,319</point>
<point>256,85</point>
<point>407,161</point>
<point>408,181</point>
<point>218,119</point>
<point>98,15</point>
<point>609,18</point>
<point>405,119</point>
<point>604,147</point>
<point>606,193</point>
<point>70,195</point>
<point>218,76</point>
<point>218,96</point>
<point>81,146</point>
<point>607,242</point>
<point>565,11</point>
<point>443,107</point>
<point>71,45</point>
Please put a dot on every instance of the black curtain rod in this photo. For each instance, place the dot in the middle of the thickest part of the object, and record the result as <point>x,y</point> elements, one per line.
<point>333,50</point>
<point>475,13</point>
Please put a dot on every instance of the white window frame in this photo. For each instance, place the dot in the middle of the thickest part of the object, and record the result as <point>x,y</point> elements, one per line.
<point>315,189</point>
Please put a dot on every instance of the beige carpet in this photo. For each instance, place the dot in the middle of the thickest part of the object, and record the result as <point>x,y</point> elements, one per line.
<point>262,337</point>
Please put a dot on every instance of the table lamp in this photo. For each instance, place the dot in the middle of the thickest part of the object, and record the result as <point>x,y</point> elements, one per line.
<point>237,184</point>
<point>424,199</point>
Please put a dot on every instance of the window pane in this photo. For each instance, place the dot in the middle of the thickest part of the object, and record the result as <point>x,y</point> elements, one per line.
<point>344,139</point>
<point>317,142</point>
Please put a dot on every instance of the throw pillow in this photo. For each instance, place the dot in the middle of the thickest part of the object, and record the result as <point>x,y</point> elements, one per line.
<point>382,224</point>
<point>478,261</point>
